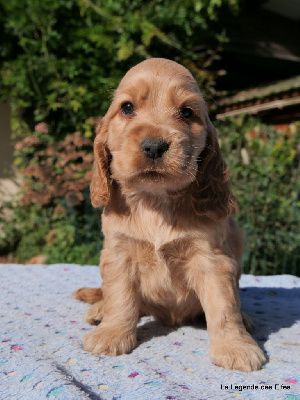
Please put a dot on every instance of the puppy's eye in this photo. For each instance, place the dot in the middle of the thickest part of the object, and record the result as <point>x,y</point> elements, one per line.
<point>185,112</point>
<point>127,108</point>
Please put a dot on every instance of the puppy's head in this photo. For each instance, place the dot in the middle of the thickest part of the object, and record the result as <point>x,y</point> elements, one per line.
<point>157,138</point>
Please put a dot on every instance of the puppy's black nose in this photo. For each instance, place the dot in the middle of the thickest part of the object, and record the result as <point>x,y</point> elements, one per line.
<point>154,148</point>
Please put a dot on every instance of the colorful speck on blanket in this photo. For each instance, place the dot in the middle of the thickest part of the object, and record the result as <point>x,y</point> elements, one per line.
<point>41,356</point>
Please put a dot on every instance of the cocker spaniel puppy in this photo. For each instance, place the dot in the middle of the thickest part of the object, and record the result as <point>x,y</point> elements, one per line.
<point>171,248</point>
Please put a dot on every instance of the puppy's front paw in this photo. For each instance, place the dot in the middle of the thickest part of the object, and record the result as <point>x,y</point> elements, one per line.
<point>242,354</point>
<point>109,341</point>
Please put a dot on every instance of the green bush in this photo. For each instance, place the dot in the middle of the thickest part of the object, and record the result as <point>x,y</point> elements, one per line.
<point>54,170</point>
<point>64,234</point>
<point>53,215</point>
<point>61,59</point>
<point>264,165</point>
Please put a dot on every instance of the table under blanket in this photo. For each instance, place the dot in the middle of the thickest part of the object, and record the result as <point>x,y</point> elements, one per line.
<point>41,356</point>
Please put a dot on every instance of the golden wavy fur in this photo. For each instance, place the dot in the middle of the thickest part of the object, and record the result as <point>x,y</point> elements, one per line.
<point>171,249</point>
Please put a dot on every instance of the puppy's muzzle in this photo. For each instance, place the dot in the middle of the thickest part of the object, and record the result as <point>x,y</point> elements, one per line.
<point>154,149</point>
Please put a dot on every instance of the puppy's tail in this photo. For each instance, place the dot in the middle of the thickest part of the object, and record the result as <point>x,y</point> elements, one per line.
<point>88,295</point>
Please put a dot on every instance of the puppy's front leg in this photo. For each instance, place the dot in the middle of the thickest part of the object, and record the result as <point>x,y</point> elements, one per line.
<point>116,334</point>
<point>216,284</point>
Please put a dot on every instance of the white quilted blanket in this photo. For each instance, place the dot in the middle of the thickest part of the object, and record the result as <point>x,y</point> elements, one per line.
<point>41,329</point>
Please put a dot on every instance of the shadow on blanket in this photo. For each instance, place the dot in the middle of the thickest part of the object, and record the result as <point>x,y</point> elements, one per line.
<point>270,309</point>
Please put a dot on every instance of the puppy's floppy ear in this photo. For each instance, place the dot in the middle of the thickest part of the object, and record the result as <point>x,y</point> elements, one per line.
<point>212,194</point>
<point>100,192</point>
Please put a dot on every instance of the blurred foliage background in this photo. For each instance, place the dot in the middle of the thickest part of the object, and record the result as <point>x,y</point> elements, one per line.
<point>61,60</point>
<point>264,166</point>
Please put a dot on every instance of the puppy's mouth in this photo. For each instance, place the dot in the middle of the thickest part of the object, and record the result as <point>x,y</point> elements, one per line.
<point>151,175</point>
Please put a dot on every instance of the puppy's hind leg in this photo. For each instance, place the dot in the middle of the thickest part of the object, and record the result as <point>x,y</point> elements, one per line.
<point>92,296</point>
<point>88,295</point>
<point>247,321</point>
<point>95,313</point>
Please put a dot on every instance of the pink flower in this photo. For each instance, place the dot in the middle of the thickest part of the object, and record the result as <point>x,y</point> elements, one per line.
<point>41,128</point>
<point>19,146</point>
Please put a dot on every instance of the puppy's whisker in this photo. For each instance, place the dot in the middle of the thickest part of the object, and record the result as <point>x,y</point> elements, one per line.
<point>210,148</point>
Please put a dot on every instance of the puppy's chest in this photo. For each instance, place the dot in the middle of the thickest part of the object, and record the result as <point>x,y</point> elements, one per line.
<point>161,270</point>
<point>159,250</point>
<point>154,227</point>
<point>161,255</point>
